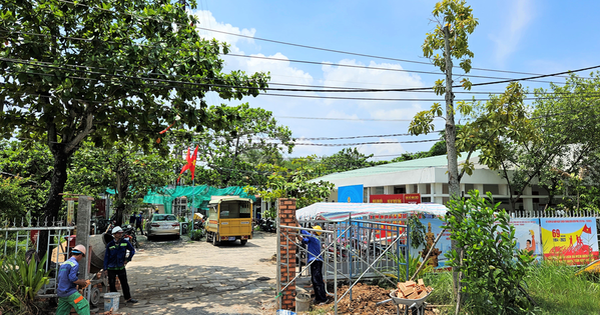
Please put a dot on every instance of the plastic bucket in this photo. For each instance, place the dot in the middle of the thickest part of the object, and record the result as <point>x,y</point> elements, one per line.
<point>302,302</point>
<point>111,301</point>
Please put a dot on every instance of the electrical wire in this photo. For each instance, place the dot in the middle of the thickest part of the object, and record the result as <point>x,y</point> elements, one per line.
<point>285,43</point>
<point>277,89</point>
<point>279,59</point>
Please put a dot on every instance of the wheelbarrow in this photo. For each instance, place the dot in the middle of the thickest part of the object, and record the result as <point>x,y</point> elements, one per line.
<point>415,306</point>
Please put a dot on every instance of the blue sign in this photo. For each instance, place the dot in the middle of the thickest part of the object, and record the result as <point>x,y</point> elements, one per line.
<point>350,194</point>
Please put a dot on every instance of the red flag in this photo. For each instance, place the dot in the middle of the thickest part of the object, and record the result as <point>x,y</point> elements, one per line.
<point>186,166</point>
<point>587,229</point>
<point>192,162</point>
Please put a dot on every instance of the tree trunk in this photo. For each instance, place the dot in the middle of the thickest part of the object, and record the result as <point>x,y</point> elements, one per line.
<point>453,182</point>
<point>57,184</point>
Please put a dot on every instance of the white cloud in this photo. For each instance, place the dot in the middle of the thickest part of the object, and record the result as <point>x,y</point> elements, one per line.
<point>207,20</point>
<point>520,14</point>
<point>378,79</point>
<point>382,149</point>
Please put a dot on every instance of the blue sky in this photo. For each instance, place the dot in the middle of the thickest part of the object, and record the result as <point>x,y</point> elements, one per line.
<point>530,36</point>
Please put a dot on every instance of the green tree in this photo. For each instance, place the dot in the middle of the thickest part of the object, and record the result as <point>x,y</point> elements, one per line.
<point>25,170</point>
<point>439,148</point>
<point>124,168</point>
<point>293,182</point>
<point>345,160</point>
<point>492,269</point>
<point>251,136</point>
<point>455,21</point>
<point>106,71</point>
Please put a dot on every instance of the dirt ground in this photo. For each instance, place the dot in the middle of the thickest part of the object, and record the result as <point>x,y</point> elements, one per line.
<point>364,300</point>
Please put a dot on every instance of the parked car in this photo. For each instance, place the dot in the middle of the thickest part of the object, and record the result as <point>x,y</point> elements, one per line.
<point>162,224</point>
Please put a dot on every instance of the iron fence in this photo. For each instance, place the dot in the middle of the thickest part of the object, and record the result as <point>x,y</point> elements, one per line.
<point>25,238</point>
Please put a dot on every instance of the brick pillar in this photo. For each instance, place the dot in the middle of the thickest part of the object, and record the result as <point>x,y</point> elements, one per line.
<point>287,216</point>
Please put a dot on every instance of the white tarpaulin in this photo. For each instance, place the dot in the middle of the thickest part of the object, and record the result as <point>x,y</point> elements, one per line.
<point>339,211</point>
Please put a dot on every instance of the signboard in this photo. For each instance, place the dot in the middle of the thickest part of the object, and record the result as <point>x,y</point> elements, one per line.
<point>528,235</point>
<point>350,194</point>
<point>70,211</point>
<point>572,240</point>
<point>396,198</point>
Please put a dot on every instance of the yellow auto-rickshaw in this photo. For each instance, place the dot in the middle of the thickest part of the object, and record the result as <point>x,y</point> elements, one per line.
<point>229,219</point>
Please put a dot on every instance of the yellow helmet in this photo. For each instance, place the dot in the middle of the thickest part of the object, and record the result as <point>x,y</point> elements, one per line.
<point>316,227</point>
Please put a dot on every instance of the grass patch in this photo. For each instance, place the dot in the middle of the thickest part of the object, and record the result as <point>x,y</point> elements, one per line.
<point>557,290</point>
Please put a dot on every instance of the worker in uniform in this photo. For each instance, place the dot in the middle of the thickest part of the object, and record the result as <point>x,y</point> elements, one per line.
<point>316,267</point>
<point>115,259</point>
<point>68,280</point>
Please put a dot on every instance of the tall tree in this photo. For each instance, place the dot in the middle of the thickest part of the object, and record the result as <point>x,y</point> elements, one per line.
<point>125,169</point>
<point>293,182</point>
<point>106,71</point>
<point>345,160</point>
<point>455,21</point>
<point>230,155</point>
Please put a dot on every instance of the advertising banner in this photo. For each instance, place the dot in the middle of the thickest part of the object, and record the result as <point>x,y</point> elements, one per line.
<point>349,194</point>
<point>572,240</point>
<point>528,235</point>
<point>396,198</point>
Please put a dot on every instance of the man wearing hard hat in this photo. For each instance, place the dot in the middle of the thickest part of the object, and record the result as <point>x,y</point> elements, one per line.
<point>115,260</point>
<point>68,280</point>
<point>316,267</point>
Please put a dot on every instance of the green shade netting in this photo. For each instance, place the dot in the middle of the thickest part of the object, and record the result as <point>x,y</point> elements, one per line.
<point>197,196</point>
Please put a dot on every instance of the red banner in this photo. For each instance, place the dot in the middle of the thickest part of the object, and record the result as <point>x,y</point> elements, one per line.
<point>396,198</point>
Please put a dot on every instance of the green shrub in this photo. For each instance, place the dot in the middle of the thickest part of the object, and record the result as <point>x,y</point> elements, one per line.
<point>493,270</point>
<point>197,234</point>
<point>19,284</point>
<point>413,264</point>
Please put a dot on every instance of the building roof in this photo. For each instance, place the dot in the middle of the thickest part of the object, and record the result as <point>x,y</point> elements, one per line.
<point>440,161</point>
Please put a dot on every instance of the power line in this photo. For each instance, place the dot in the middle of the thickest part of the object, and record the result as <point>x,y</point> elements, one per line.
<point>357,137</point>
<point>372,68</point>
<point>276,59</point>
<point>364,143</point>
<point>354,54</point>
<point>285,43</point>
<point>278,89</point>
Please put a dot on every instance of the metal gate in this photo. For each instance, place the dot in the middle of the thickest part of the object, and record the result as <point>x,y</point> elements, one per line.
<point>25,238</point>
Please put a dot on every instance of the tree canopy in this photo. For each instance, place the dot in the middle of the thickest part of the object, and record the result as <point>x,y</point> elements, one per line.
<point>106,71</point>
<point>229,156</point>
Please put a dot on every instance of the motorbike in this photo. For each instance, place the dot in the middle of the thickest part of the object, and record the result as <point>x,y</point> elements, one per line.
<point>129,234</point>
<point>267,225</point>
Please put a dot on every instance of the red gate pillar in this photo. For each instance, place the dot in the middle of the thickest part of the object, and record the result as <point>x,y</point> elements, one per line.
<point>287,216</point>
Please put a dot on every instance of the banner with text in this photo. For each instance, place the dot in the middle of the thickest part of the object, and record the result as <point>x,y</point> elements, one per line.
<point>572,240</point>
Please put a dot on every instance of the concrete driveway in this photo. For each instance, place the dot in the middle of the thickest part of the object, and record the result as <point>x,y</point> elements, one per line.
<point>182,277</point>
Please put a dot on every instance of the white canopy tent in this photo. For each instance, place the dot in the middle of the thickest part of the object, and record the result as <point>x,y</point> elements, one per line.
<point>338,211</point>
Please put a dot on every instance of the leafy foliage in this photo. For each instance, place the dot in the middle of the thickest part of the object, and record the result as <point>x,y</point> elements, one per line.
<point>19,283</point>
<point>293,183</point>
<point>250,136</point>
<point>73,71</point>
<point>493,270</point>
<point>345,160</point>
<point>124,168</point>
<point>24,174</point>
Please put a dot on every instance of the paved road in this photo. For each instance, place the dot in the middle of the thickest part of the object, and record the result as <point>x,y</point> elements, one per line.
<point>182,277</point>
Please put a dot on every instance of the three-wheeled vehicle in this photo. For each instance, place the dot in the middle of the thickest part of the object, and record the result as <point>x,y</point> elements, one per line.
<point>229,219</point>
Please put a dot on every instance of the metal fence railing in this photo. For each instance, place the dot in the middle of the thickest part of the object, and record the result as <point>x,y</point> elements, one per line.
<point>353,250</point>
<point>23,238</point>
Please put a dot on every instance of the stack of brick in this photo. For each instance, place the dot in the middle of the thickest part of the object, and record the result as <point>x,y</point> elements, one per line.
<point>287,216</point>
<point>412,290</point>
